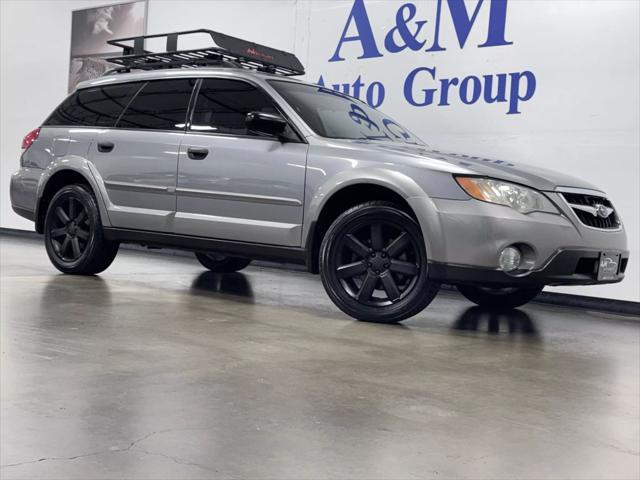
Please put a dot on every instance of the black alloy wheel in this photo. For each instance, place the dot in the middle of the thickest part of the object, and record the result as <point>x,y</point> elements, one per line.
<point>373,264</point>
<point>73,233</point>
<point>69,230</point>
<point>377,263</point>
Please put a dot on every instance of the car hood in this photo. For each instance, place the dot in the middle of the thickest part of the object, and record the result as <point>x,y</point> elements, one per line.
<point>419,155</point>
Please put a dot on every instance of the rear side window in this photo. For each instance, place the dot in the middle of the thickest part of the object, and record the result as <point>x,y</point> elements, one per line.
<point>160,105</point>
<point>94,107</point>
<point>222,106</point>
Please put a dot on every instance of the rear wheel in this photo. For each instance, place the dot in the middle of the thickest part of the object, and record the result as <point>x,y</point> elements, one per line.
<point>73,238</point>
<point>373,264</point>
<point>508,297</point>
<point>221,263</point>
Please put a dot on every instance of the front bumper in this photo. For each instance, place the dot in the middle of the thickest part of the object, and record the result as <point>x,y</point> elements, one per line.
<point>464,239</point>
<point>566,267</point>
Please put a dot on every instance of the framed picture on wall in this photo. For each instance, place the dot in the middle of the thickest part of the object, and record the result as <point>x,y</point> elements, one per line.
<point>90,30</point>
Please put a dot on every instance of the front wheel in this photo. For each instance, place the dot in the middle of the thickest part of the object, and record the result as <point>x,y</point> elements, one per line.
<point>504,298</point>
<point>373,264</point>
<point>221,263</point>
<point>73,233</point>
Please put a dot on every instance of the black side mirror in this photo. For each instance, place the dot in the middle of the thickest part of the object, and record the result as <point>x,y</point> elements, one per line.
<point>271,124</point>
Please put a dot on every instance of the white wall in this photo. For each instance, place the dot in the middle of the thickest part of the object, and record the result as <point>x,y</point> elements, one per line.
<point>35,41</point>
<point>583,118</point>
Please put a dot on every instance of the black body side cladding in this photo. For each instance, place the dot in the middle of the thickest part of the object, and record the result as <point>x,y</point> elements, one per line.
<point>255,251</point>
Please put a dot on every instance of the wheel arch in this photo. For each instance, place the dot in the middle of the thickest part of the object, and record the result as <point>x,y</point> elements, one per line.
<point>57,176</point>
<point>345,195</point>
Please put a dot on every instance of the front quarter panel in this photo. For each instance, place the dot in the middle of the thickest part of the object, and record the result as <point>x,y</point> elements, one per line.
<point>330,168</point>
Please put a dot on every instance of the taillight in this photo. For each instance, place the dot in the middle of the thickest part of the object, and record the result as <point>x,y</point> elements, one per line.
<point>29,138</point>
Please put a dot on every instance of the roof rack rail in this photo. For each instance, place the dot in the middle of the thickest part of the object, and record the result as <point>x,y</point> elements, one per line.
<point>228,51</point>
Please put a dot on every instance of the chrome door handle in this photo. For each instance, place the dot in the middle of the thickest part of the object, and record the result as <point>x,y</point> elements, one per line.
<point>197,153</point>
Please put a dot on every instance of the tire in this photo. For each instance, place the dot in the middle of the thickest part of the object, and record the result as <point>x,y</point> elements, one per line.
<point>499,298</point>
<point>373,264</point>
<point>221,263</point>
<point>73,234</point>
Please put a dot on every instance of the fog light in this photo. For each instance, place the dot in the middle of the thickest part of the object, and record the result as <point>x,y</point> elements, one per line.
<point>509,259</point>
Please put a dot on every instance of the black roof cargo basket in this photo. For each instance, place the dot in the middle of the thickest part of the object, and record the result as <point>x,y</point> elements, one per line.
<point>225,50</point>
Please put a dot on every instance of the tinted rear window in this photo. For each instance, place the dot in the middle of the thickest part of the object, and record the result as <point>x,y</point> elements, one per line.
<point>96,106</point>
<point>160,105</point>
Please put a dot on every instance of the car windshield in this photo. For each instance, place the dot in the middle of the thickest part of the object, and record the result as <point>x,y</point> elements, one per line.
<point>335,115</point>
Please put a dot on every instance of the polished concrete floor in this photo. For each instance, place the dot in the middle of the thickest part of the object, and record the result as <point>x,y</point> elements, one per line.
<point>158,369</point>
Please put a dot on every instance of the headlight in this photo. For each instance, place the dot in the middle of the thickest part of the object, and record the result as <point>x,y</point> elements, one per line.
<point>522,199</point>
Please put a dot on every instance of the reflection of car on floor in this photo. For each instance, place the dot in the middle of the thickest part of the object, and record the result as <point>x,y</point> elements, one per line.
<point>237,161</point>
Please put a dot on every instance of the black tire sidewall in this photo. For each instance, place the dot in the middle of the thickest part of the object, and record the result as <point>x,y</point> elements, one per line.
<point>87,200</point>
<point>422,291</point>
<point>98,253</point>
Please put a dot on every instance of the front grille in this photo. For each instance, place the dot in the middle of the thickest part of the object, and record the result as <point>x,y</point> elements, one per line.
<point>590,208</point>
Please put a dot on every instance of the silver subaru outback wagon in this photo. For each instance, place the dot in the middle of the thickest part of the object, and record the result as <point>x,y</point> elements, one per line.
<point>234,160</point>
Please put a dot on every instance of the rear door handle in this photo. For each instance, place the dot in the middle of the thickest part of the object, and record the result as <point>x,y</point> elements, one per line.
<point>197,153</point>
<point>105,147</point>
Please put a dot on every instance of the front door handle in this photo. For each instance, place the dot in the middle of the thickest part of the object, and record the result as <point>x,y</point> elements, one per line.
<point>197,153</point>
<point>105,147</point>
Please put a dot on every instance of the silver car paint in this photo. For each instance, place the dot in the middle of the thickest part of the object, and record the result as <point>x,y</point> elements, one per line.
<point>56,150</point>
<point>245,189</point>
<point>259,192</point>
<point>473,233</point>
<point>25,183</point>
<point>139,176</point>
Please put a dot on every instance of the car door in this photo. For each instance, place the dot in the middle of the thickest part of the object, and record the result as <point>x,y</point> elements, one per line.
<point>138,159</point>
<point>234,184</point>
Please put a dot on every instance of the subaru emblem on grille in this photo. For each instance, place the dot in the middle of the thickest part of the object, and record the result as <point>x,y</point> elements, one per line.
<point>597,209</point>
<point>602,211</point>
